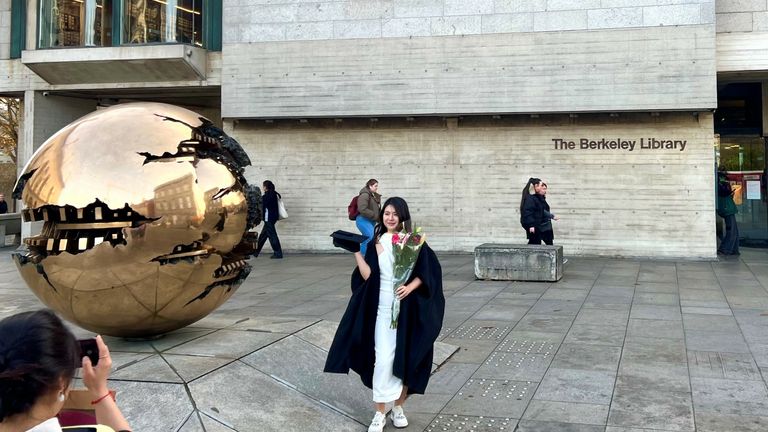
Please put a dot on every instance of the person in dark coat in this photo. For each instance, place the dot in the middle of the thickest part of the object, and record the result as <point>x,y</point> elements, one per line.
<point>727,210</point>
<point>271,215</point>
<point>3,204</point>
<point>546,232</point>
<point>534,212</point>
<point>392,362</point>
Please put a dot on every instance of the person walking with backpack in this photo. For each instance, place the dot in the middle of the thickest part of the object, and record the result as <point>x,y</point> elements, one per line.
<point>271,215</point>
<point>368,207</point>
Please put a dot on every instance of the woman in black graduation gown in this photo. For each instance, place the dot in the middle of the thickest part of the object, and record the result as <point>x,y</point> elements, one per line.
<point>392,362</point>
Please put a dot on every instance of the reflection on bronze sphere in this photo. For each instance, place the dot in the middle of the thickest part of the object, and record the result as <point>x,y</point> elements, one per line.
<point>146,214</point>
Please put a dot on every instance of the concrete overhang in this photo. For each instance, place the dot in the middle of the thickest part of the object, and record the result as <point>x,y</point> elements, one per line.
<point>146,63</point>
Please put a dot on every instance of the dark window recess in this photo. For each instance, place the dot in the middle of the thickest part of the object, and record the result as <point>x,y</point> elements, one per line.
<point>739,109</point>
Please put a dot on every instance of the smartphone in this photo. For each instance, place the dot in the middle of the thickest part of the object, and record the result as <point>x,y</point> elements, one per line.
<point>89,348</point>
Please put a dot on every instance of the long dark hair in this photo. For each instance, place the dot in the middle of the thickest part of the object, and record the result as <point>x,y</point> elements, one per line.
<point>270,187</point>
<point>401,208</point>
<point>37,352</point>
<point>371,182</point>
<point>527,191</point>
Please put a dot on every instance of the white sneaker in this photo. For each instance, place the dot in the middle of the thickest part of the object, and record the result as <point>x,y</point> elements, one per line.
<point>398,417</point>
<point>378,422</point>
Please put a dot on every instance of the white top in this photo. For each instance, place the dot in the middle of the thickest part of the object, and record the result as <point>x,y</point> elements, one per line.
<point>50,425</point>
<point>53,425</point>
<point>386,269</point>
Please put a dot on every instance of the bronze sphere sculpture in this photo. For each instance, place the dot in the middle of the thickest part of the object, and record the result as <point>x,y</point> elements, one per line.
<point>146,216</point>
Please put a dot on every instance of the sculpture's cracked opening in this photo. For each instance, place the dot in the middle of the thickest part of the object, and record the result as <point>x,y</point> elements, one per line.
<point>76,230</point>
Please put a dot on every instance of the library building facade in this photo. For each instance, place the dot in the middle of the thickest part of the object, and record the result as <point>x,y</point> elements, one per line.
<point>624,108</point>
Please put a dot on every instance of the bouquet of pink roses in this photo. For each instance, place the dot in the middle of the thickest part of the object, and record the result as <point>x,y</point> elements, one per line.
<point>405,247</point>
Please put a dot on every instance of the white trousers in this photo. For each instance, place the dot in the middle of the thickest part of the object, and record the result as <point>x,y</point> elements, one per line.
<point>386,387</point>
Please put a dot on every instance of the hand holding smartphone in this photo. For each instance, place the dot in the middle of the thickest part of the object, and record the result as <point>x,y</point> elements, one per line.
<point>88,348</point>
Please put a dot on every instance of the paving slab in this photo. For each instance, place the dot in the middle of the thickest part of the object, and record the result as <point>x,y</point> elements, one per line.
<point>711,422</point>
<point>190,368</point>
<point>587,357</point>
<point>193,424</point>
<point>651,350</point>
<point>299,364</point>
<point>652,328</point>
<point>649,408</point>
<point>153,406</point>
<point>608,317</point>
<point>730,397</point>
<point>153,368</point>
<point>229,344</point>
<point>656,312</point>
<point>543,411</point>
<point>449,378</point>
<point>572,385</point>
<point>596,335</point>
<point>710,322</point>
<point>276,407</point>
<point>545,323</point>
<point>701,340</point>
<point>540,426</point>
<point>661,376</point>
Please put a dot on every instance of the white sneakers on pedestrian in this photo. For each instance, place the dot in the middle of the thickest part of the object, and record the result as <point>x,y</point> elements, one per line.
<point>398,417</point>
<point>378,422</point>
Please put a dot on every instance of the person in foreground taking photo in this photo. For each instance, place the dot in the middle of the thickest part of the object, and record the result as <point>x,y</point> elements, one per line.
<point>38,357</point>
<point>393,317</point>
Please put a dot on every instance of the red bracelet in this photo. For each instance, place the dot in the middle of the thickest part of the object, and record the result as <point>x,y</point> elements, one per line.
<point>95,401</point>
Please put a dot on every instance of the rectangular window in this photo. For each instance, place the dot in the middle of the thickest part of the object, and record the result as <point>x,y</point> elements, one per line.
<point>18,27</point>
<point>68,23</point>
<point>163,21</point>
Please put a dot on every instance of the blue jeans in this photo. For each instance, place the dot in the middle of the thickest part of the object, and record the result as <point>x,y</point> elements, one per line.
<point>365,226</point>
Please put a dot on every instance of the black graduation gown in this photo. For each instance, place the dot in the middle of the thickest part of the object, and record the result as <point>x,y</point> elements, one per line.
<point>419,324</point>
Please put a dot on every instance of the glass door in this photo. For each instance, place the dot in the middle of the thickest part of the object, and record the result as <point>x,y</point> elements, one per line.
<point>745,162</point>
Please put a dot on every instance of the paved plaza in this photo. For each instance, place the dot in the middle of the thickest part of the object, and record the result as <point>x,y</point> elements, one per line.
<point>615,346</point>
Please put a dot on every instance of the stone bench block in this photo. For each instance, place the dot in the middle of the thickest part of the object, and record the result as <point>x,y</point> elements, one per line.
<point>495,261</point>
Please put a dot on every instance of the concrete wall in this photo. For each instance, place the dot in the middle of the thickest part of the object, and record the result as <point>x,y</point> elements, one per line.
<point>463,179</point>
<point>741,16</point>
<point>655,68</point>
<point>742,55</point>
<point>285,20</point>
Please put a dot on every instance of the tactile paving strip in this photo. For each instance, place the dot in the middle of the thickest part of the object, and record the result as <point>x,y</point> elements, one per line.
<point>480,332</point>
<point>492,397</point>
<point>527,346</point>
<point>515,360</point>
<point>496,389</point>
<point>458,423</point>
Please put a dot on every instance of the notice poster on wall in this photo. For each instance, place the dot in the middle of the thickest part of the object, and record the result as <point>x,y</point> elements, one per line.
<point>753,190</point>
